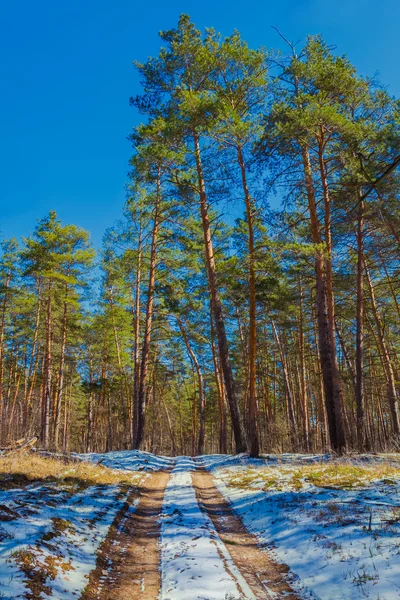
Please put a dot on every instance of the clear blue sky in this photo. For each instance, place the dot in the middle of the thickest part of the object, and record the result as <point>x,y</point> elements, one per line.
<point>66,77</point>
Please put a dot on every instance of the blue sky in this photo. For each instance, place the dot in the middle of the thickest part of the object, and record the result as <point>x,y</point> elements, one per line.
<point>66,77</point>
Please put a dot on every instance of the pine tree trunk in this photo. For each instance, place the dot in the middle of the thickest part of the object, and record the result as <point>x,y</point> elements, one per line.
<point>148,322</point>
<point>123,384</point>
<point>360,388</point>
<point>194,417</point>
<point>303,385</point>
<point>60,388</point>
<point>330,373</point>
<point>382,262</point>
<point>237,425</point>
<point>110,436</point>
<point>387,364</point>
<point>337,384</point>
<point>13,405</point>
<point>89,444</point>
<point>2,328</point>
<point>252,408</point>
<point>289,393</point>
<point>202,398</point>
<point>136,349</point>
<point>46,398</point>
<point>33,363</point>
<point>67,422</point>
<point>223,438</point>
<point>349,364</point>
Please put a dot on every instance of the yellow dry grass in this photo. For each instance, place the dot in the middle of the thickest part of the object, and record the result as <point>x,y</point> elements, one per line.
<point>338,474</point>
<point>22,469</point>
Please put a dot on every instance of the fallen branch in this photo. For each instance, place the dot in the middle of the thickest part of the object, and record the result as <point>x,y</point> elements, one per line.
<point>19,446</point>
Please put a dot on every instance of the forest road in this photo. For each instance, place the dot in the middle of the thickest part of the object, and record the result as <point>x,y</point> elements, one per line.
<point>265,577</point>
<point>177,538</point>
<point>128,565</point>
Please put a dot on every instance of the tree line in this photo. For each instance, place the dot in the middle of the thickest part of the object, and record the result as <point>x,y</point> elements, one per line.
<point>209,321</point>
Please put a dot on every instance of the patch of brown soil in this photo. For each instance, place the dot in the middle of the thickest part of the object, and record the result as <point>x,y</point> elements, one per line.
<point>128,562</point>
<point>257,566</point>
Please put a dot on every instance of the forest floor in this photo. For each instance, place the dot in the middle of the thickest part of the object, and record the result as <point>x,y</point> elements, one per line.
<point>134,525</point>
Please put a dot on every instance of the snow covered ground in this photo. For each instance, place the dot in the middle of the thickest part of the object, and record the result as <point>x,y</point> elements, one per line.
<point>341,543</point>
<point>130,460</point>
<point>51,528</point>
<point>194,561</point>
<point>47,531</point>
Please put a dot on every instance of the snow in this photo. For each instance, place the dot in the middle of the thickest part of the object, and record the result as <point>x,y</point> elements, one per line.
<point>60,530</point>
<point>51,523</point>
<point>130,460</point>
<point>323,535</point>
<point>339,544</point>
<point>193,558</point>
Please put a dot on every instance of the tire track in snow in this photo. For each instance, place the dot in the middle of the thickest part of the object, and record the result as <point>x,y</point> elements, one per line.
<point>128,566</point>
<point>266,577</point>
<point>195,564</point>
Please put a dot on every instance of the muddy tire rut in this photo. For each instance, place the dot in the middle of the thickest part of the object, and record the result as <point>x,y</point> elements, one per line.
<point>256,565</point>
<point>128,565</point>
<point>128,562</point>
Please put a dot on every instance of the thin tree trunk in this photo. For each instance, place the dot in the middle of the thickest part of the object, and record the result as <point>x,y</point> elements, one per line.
<point>136,349</point>
<point>89,437</point>
<point>289,393</point>
<point>144,366</point>
<point>360,385</point>
<point>387,364</point>
<point>390,283</point>
<point>323,418</point>
<point>202,398</point>
<point>303,385</point>
<point>181,442</point>
<point>89,445</point>
<point>33,363</point>
<point>254,442</point>
<point>60,389</point>
<point>46,399</point>
<point>223,439</point>
<point>194,416</point>
<point>349,364</point>
<point>170,428</point>
<point>67,432</point>
<point>2,328</point>
<point>124,393</point>
<point>14,403</point>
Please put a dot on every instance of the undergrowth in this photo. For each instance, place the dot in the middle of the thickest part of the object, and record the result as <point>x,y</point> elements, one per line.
<point>22,469</point>
<point>340,475</point>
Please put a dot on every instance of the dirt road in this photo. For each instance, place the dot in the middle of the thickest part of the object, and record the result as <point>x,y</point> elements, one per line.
<point>178,539</point>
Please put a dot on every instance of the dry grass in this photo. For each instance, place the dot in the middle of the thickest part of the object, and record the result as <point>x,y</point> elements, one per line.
<point>39,571</point>
<point>23,469</point>
<point>340,475</point>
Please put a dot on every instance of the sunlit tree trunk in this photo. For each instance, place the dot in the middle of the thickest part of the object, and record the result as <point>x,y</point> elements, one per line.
<point>330,373</point>
<point>237,425</point>
<point>61,373</point>
<point>387,363</point>
<point>360,388</point>
<point>136,347</point>
<point>254,444</point>
<point>303,384</point>
<point>222,438</point>
<point>144,366</point>
<point>33,362</point>
<point>46,397</point>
